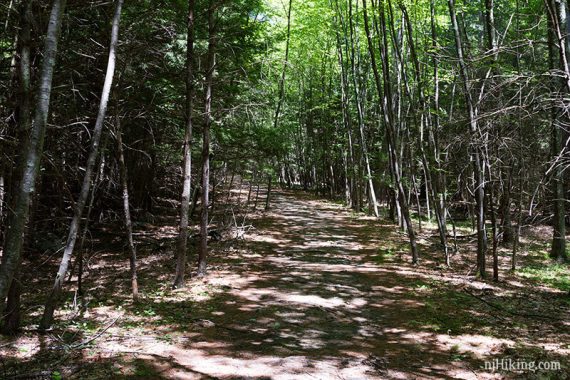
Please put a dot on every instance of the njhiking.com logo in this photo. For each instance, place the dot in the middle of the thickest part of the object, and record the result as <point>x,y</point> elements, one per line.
<point>510,365</point>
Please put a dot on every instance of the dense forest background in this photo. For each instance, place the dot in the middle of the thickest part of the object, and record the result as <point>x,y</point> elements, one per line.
<point>449,117</point>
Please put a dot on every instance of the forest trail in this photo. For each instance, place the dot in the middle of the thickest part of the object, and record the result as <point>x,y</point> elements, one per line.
<point>320,293</point>
<point>116,117</point>
<point>314,291</point>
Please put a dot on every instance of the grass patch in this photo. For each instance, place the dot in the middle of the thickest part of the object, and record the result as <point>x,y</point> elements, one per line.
<point>553,274</point>
<point>143,370</point>
<point>444,311</point>
<point>384,255</point>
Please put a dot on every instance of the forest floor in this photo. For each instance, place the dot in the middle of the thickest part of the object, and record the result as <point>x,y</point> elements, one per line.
<point>313,291</point>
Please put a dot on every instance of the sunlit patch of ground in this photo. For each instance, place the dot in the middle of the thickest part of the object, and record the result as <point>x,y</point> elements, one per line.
<point>314,292</point>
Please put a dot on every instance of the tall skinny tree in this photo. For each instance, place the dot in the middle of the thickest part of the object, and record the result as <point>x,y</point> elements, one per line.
<point>558,19</point>
<point>32,156</point>
<point>476,154</point>
<point>211,65</point>
<point>187,165</point>
<point>12,312</point>
<point>284,72</point>
<point>126,206</point>
<point>52,300</point>
<point>385,96</point>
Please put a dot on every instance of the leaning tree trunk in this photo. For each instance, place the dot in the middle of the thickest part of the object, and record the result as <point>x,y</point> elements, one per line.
<point>359,100</point>
<point>181,253</point>
<point>385,97</point>
<point>55,292</point>
<point>211,62</point>
<point>431,163</point>
<point>32,156</point>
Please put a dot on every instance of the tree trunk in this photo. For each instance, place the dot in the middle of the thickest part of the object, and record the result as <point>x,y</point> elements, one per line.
<point>348,156</point>
<point>476,154</point>
<point>268,198</point>
<point>256,197</point>
<point>181,248</point>
<point>493,214</point>
<point>506,222</point>
<point>518,230</point>
<point>359,101</point>
<point>2,194</point>
<point>80,256</point>
<point>252,179</point>
<point>284,72</point>
<point>211,64</point>
<point>558,18</point>
<point>385,97</point>
<point>127,209</point>
<point>431,164</point>
<point>558,250</point>
<point>12,312</point>
<point>32,156</point>
<point>53,298</point>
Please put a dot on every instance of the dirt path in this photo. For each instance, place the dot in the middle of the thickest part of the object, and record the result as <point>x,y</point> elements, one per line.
<point>314,292</point>
<point>313,297</point>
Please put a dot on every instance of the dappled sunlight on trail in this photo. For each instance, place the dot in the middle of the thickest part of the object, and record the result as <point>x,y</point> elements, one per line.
<point>317,292</point>
<point>317,296</point>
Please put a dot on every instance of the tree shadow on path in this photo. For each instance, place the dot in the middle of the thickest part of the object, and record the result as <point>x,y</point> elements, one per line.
<point>318,292</point>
